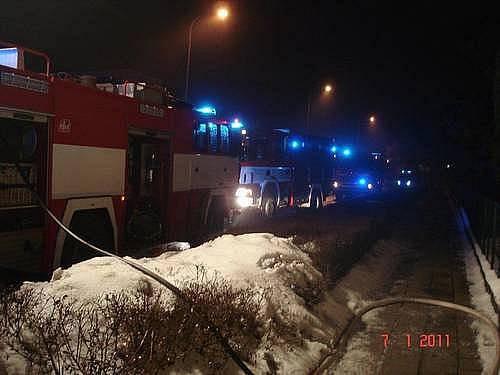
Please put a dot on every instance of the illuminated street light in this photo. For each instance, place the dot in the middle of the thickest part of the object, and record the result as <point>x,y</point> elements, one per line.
<point>328,88</point>
<point>372,120</point>
<point>221,13</point>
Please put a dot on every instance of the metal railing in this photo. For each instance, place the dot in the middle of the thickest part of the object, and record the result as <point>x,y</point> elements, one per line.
<point>484,217</point>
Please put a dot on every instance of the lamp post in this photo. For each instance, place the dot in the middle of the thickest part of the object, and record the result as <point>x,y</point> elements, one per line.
<point>327,90</point>
<point>221,13</point>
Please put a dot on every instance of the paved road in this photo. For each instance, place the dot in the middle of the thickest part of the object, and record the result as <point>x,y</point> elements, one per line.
<point>431,266</point>
<point>342,219</point>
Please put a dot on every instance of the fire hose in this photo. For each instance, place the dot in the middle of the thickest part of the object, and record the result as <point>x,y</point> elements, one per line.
<point>341,339</point>
<point>212,328</point>
<point>344,335</point>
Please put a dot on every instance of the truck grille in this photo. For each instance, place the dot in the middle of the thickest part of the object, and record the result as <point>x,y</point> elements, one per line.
<point>13,193</point>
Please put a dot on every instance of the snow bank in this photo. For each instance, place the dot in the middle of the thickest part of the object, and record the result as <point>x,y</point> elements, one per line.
<point>256,260</point>
<point>268,264</point>
<point>491,277</point>
<point>273,267</point>
<point>480,298</point>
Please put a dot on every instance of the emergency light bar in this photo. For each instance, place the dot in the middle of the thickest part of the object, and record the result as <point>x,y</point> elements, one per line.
<point>207,110</point>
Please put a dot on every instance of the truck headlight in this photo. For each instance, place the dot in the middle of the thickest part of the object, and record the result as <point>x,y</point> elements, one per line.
<point>244,197</point>
<point>335,184</point>
<point>243,192</point>
<point>369,186</point>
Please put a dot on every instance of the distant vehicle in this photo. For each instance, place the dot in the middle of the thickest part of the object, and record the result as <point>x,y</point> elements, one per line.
<point>405,179</point>
<point>357,173</point>
<point>114,160</point>
<point>280,168</point>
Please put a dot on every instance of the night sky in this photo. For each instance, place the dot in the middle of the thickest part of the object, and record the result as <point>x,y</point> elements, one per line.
<point>424,71</point>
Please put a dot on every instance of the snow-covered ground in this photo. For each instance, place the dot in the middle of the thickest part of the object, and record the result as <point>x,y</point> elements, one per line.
<point>276,268</point>
<point>481,299</point>
<point>358,289</point>
<point>262,261</point>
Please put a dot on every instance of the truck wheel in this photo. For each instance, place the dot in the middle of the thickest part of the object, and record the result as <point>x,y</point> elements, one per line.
<point>215,219</point>
<point>316,203</point>
<point>269,206</point>
<point>94,226</point>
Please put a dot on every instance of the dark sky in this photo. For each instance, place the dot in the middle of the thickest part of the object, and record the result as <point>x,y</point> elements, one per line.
<point>416,67</point>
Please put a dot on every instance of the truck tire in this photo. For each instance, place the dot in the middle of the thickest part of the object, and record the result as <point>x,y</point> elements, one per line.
<point>269,206</point>
<point>316,203</point>
<point>215,217</point>
<point>94,226</point>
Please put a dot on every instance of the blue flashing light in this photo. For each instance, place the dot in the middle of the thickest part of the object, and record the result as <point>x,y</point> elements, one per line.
<point>206,110</point>
<point>362,181</point>
<point>346,152</point>
<point>408,183</point>
<point>295,144</point>
<point>236,124</point>
<point>333,149</point>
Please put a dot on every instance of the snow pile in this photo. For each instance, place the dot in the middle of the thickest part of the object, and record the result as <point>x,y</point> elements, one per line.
<point>255,260</point>
<point>270,265</point>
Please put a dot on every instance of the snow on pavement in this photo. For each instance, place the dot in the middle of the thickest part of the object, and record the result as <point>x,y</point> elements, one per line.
<point>480,298</point>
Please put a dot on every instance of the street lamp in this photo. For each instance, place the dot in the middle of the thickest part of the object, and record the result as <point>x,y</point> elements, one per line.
<point>221,14</point>
<point>372,120</point>
<point>327,90</point>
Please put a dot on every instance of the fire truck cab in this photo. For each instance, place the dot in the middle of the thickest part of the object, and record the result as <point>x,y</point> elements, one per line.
<point>121,163</point>
<point>280,168</point>
<point>357,172</point>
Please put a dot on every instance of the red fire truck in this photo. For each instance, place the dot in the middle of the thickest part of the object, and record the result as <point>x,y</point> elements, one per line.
<point>115,161</point>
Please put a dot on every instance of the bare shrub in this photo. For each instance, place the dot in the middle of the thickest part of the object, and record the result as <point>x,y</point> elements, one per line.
<point>234,311</point>
<point>279,329</point>
<point>142,332</point>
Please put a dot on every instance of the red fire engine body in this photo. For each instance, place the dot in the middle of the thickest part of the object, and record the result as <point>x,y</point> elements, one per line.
<point>114,162</point>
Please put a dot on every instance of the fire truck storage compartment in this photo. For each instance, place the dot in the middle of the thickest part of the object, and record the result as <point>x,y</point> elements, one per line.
<point>147,187</point>
<point>23,141</point>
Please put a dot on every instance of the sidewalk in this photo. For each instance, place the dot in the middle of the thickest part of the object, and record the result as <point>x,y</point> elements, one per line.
<point>440,340</point>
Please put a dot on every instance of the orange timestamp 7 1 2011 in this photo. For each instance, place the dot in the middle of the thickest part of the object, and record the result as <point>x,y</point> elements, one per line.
<point>423,341</point>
